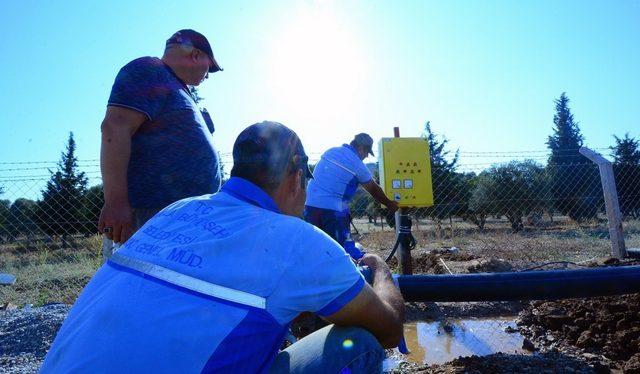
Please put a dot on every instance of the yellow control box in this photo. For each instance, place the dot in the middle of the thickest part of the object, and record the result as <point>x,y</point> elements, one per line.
<point>405,171</point>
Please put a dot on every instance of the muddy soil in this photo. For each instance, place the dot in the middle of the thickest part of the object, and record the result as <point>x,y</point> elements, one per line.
<point>446,262</point>
<point>579,335</point>
<point>552,362</point>
<point>606,327</point>
<point>418,311</point>
<point>569,336</point>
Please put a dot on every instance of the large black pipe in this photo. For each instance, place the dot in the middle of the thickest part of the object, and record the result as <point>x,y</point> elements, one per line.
<point>633,252</point>
<point>528,285</point>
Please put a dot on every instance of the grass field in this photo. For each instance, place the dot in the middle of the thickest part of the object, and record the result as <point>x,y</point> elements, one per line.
<point>47,273</point>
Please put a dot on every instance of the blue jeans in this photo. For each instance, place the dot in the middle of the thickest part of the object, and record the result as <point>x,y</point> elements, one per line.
<point>334,223</point>
<point>332,349</point>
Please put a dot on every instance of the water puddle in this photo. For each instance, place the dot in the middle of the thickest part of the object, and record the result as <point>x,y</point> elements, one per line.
<point>442,341</point>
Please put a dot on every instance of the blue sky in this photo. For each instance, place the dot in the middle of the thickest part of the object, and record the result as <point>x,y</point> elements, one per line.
<point>485,73</point>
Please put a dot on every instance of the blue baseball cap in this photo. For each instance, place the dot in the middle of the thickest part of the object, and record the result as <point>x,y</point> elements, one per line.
<point>364,140</point>
<point>196,40</point>
<point>270,144</point>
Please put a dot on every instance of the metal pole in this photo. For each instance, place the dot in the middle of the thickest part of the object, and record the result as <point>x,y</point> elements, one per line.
<point>403,254</point>
<point>614,216</point>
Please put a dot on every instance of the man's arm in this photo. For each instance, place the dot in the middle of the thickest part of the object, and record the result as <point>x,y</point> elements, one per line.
<point>118,127</point>
<point>378,309</point>
<point>374,189</point>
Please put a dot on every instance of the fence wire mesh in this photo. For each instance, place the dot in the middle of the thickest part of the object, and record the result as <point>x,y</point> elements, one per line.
<point>506,207</point>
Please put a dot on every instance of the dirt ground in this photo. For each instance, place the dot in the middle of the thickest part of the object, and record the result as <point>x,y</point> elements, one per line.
<point>607,328</point>
<point>598,335</point>
<point>552,362</point>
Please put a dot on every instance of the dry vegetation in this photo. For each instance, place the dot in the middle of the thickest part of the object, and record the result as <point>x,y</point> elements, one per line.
<point>47,273</point>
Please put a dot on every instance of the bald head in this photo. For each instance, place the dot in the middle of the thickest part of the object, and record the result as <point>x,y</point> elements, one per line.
<point>189,63</point>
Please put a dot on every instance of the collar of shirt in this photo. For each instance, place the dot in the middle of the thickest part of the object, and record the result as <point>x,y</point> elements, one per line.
<point>244,190</point>
<point>173,73</point>
<point>352,148</point>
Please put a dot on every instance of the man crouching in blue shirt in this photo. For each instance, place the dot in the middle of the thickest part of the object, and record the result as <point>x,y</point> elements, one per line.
<point>211,284</point>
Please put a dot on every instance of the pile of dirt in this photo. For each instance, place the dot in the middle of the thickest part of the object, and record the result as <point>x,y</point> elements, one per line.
<point>453,254</point>
<point>551,362</point>
<point>428,311</point>
<point>425,263</point>
<point>430,262</point>
<point>491,265</point>
<point>606,326</point>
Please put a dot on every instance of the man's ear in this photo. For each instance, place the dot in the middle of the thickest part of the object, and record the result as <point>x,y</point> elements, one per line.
<point>298,181</point>
<point>289,183</point>
<point>194,54</point>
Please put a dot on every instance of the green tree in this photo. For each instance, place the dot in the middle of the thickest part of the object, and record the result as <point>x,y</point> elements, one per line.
<point>450,189</point>
<point>474,212</point>
<point>574,181</point>
<point>626,156</point>
<point>92,203</point>
<point>60,210</point>
<point>512,190</point>
<point>4,218</point>
<point>21,220</point>
<point>195,94</point>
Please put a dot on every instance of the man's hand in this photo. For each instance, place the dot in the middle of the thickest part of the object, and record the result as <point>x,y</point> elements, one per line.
<point>118,126</point>
<point>116,222</point>
<point>376,191</point>
<point>378,308</point>
<point>376,264</point>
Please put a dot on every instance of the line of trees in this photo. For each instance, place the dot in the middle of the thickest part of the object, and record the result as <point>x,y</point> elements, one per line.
<point>67,206</point>
<point>626,168</point>
<point>521,191</point>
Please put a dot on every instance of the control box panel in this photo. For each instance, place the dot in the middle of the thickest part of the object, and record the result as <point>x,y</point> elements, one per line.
<point>405,171</point>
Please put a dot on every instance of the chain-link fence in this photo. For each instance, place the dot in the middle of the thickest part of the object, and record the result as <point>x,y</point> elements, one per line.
<point>48,234</point>
<point>521,212</point>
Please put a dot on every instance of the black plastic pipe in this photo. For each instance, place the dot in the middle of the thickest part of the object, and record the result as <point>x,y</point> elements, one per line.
<point>528,285</point>
<point>633,252</point>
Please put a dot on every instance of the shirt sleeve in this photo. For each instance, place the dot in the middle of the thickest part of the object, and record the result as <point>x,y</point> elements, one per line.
<point>362,172</point>
<point>141,86</point>
<point>321,278</point>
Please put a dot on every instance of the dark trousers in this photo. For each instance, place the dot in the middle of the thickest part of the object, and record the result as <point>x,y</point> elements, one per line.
<point>334,223</point>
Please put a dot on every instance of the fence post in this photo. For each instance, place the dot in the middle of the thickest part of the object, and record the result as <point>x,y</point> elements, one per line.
<point>614,216</point>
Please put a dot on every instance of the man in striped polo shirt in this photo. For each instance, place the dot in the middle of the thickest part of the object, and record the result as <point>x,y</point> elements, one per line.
<point>336,178</point>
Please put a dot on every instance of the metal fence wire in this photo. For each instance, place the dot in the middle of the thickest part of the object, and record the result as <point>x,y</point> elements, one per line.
<point>512,207</point>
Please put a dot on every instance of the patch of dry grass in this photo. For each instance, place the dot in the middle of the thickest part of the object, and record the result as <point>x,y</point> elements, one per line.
<point>46,273</point>
<point>563,241</point>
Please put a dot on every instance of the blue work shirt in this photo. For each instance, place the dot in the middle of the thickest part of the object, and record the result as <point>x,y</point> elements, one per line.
<point>336,178</point>
<point>127,321</point>
<point>172,153</point>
